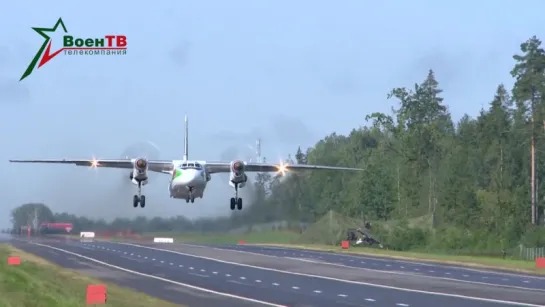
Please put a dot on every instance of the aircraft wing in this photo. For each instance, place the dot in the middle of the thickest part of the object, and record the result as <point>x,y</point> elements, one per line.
<point>225,167</point>
<point>153,165</point>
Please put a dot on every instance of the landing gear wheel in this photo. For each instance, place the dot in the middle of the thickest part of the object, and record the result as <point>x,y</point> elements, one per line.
<point>187,200</point>
<point>192,200</point>
<point>142,201</point>
<point>135,201</point>
<point>236,201</point>
<point>233,203</point>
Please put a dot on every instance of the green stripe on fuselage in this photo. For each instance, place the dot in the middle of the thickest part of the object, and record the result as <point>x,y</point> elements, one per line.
<point>177,173</point>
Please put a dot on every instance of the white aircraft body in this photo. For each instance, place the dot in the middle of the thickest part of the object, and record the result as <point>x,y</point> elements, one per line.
<point>188,178</point>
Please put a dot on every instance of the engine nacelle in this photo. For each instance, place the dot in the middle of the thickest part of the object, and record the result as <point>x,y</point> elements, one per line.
<point>237,175</point>
<point>139,174</point>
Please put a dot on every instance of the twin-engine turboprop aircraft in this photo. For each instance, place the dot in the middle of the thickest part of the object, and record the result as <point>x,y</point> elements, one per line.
<point>188,177</point>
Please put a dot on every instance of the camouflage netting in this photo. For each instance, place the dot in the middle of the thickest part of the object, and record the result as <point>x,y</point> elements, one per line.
<point>330,229</point>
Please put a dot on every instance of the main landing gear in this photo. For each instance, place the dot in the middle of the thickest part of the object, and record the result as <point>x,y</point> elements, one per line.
<point>190,196</point>
<point>236,201</point>
<point>139,199</point>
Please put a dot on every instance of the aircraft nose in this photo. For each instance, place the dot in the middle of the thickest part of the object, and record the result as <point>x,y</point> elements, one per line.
<point>188,177</point>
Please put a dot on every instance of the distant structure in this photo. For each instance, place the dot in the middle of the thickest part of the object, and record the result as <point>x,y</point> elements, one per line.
<point>258,150</point>
<point>35,220</point>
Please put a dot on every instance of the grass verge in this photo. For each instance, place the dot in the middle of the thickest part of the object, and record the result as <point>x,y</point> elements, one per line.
<point>39,283</point>
<point>470,261</point>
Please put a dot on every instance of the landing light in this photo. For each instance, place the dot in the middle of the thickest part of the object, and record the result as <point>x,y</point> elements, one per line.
<point>94,163</point>
<point>282,169</point>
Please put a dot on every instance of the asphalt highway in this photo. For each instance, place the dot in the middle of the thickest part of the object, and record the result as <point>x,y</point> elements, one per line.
<point>236,274</point>
<point>443,271</point>
<point>154,287</point>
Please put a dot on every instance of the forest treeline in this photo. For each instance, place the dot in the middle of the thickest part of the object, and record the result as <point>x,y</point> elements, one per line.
<point>482,178</point>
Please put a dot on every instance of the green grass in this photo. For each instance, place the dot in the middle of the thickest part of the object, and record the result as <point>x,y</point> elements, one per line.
<point>279,237</point>
<point>38,283</point>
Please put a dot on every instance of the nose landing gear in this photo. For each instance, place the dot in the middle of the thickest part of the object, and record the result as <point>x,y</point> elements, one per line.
<point>190,197</point>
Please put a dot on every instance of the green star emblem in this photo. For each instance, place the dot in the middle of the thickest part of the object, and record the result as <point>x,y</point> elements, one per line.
<point>42,32</point>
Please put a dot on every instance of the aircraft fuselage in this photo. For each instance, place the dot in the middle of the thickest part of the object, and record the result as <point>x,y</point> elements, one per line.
<point>188,183</point>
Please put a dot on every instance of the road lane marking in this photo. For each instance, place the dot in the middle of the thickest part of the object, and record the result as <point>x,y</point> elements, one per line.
<point>162,279</point>
<point>405,273</point>
<point>482,299</point>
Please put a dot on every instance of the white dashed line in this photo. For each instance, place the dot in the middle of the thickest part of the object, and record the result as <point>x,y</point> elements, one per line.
<point>526,281</point>
<point>294,287</point>
<point>342,295</point>
<point>465,275</point>
<point>203,270</point>
<point>191,268</point>
<point>257,280</point>
<point>448,273</point>
<point>242,277</point>
<point>181,266</point>
<point>401,304</point>
<point>247,299</point>
<point>431,271</point>
<point>317,291</point>
<point>171,263</point>
<point>338,279</point>
<point>153,259</point>
<point>369,299</point>
<point>227,275</point>
<point>214,273</point>
<point>200,275</point>
<point>275,284</point>
<point>162,261</point>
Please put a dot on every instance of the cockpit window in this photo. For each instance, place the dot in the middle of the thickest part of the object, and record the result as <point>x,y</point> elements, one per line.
<point>193,165</point>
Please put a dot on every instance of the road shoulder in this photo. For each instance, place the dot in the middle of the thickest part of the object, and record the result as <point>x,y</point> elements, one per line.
<point>38,282</point>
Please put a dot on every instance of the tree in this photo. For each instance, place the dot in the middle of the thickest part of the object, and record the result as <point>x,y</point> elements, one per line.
<point>300,157</point>
<point>31,214</point>
<point>529,73</point>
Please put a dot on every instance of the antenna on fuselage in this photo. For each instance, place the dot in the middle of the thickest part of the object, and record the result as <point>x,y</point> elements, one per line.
<point>186,141</point>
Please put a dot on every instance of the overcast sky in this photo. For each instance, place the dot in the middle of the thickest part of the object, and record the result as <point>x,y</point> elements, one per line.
<point>290,72</point>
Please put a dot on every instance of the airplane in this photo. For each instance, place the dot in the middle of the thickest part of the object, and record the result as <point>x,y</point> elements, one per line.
<point>188,178</point>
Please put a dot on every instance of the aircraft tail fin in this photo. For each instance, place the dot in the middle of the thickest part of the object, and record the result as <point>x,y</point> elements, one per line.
<point>186,141</point>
